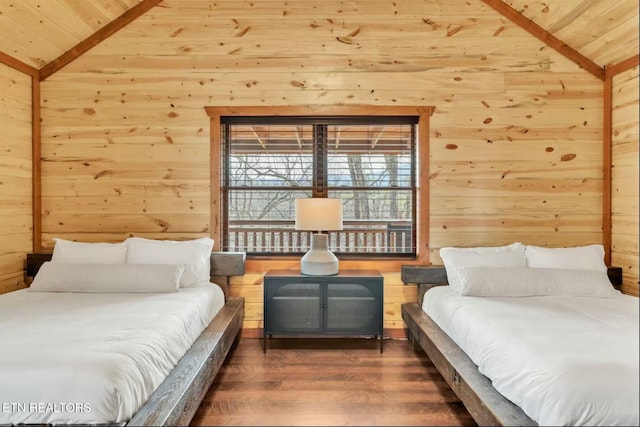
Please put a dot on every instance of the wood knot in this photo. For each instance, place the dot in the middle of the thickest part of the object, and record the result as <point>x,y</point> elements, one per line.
<point>345,40</point>
<point>454,31</point>
<point>243,32</point>
<point>176,32</point>
<point>103,173</point>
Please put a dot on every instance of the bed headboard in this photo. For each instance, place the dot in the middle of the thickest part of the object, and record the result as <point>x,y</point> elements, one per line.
<point>224,265</point>
<point>426,277</point>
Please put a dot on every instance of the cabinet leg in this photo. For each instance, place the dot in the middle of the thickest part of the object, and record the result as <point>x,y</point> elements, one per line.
<point>381,341</point>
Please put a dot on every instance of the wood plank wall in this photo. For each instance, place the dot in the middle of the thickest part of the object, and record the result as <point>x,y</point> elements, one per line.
<point>516,138</point>
<point>15,176</point>
<point>624,200</point>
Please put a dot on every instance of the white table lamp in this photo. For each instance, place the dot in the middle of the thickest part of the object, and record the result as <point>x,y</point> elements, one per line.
<point>318,215</point>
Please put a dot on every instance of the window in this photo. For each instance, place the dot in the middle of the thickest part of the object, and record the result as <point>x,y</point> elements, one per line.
<point>370,161</point>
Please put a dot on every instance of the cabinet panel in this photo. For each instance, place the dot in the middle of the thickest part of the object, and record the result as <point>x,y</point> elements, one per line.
<point>352,307</point>
<point>293,307</point>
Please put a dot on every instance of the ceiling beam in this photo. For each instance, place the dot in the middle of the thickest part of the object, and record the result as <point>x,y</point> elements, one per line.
<point>548,38</point>
<point>376,139</point>
<point>622,66</point>
<point>97,37</point>
<point>16,64</point>
<point>298,136</point>
<point>262,143</point>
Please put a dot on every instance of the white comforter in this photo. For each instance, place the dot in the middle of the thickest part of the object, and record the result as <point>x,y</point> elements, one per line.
<point>563,360</point>
<point>93,358</point>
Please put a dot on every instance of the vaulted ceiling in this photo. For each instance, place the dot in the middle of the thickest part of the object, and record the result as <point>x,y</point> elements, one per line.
<point>36,32</point>
<point>605,31</point>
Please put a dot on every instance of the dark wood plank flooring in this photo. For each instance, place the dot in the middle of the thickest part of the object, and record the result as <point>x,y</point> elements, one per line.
<point>329,381</point>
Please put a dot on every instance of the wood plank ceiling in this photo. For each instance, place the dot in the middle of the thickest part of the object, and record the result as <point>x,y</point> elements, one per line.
<point>37,32</point>
<point>605,31</point>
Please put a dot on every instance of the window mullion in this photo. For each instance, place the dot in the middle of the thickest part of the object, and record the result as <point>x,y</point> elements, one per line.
<point>320,147</point>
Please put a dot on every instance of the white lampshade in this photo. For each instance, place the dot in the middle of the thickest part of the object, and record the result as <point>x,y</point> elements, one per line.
<point>318,214</point>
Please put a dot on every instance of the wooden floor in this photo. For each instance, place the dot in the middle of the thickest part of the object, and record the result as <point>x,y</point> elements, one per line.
<point>327,381</point>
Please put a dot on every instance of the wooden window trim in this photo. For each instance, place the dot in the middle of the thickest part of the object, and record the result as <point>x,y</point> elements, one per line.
<point>422,205</point>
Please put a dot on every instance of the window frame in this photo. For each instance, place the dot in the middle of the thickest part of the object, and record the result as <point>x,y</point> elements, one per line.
<point>422,113</point>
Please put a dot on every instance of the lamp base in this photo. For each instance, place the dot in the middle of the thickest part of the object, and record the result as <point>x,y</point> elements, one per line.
<point>319,261</point>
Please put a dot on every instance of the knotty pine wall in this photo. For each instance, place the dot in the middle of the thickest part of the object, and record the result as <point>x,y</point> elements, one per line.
<point>516,137</point>
<point>625,155</point>
<point>15,177</point>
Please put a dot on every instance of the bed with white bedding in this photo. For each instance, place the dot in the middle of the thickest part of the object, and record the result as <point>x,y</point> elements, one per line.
<point>564,360</point>
<point>97,357</point>
<point>542,339</point>
<point>117,333</point>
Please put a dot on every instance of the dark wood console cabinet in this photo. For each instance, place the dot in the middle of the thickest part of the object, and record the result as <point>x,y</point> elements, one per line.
<point>348,303</point>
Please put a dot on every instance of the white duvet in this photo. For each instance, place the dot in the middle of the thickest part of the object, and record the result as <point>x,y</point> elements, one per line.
<point>563,360</point>
<point>93,358</point>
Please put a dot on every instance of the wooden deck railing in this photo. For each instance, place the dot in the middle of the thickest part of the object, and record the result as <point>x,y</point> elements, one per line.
<point>394,237</point>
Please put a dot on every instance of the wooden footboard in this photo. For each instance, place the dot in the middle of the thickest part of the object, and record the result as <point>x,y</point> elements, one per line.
<point>484,403</point>
<point>175,401</point>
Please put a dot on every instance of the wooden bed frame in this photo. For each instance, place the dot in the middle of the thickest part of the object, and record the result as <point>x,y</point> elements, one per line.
<point>177,398</point>
<point>484,403</point>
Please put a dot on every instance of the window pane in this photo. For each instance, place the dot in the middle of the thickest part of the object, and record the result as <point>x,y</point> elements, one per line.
<point>263,221</point>
<point>382,205</point>
<point>375,221</point>
<point>369,156</point>
<point>263,205</point>
<point>270,156</point>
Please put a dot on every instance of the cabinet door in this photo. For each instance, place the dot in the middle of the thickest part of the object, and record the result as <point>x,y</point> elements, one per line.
<point>354,308</point>
<point>292,306</point>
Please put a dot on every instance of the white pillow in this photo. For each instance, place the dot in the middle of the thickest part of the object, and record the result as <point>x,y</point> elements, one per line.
<point>70,252</point>
<point>526,282</point>
<point>590,257</point>
<point>499,256</point>
<point>194,254</point>
<point>106,278</point>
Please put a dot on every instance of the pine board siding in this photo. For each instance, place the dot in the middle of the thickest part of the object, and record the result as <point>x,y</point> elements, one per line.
<point>15,177</point>
<point>624,192</point>
<point>515,139</point>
